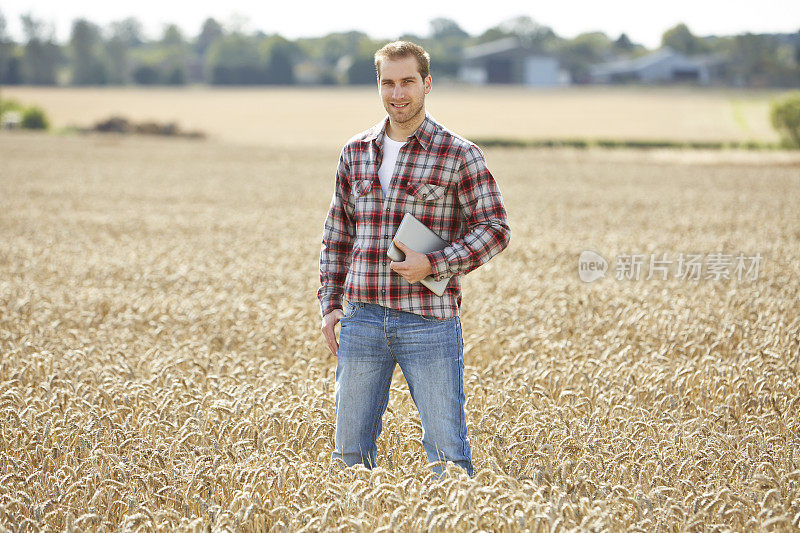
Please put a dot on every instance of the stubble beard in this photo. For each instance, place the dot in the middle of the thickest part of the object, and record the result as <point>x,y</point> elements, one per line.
<point>420,110</point>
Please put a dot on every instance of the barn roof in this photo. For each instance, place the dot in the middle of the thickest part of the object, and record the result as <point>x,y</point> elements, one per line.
<point>639,63</point>
<point>500,46</point>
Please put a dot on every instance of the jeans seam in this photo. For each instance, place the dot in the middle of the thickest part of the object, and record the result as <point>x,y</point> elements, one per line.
<point>460,395</point>
<point>377,419</point>
<point>463,412</point>
<point>384,400</point>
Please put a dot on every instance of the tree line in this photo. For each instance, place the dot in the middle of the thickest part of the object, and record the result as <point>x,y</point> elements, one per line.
<point>119,54</point>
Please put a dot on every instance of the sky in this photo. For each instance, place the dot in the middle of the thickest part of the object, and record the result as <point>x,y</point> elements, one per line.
<point>643,21</point>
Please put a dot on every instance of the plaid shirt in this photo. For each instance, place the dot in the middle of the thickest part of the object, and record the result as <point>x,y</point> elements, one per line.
<point>442,180</point>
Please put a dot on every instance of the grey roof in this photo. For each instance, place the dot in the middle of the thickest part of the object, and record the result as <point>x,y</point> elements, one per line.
<point>491,48</point>
<point>639,63</point>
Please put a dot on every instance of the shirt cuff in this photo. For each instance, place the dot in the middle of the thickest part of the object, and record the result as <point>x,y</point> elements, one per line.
<point>439,265</point>
<point>328,304</point>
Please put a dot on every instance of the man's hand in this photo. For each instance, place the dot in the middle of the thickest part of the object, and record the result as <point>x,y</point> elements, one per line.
<point>415,267</point>
<point>329,321</point>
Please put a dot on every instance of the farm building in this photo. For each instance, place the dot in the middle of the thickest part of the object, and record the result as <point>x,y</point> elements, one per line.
<point>507,61</point>
<point>662,66</point>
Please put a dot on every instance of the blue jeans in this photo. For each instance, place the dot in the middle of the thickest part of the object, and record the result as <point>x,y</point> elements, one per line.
<point>430,353</point>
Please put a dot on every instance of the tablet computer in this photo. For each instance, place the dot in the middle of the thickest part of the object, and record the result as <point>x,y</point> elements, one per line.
<point>419,238</point>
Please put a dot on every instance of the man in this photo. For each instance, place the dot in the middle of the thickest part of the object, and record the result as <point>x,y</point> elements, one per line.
<point>406,163</point>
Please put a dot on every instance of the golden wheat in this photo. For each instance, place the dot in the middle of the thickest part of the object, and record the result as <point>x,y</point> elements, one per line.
<point>162,366</point>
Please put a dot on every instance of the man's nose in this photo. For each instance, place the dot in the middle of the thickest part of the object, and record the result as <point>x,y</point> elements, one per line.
<point>397,92</point>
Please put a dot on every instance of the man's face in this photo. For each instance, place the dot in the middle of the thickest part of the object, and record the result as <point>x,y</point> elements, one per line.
<point>402,89</point>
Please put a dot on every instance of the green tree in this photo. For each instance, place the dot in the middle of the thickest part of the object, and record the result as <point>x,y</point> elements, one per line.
<point>623,46</point>
<point>11,73</point>
<point>41,56</point>
<point>446,45</point>
<point>209,33</point>
<point>681,39</point>
<point>579,54</point>
<point>530,33</point>
<point>445,28</point>
<point>124,36</point>
<point>623,43</point>
<point>234,60</point>
<point>175,56</point>
<point>797,48</point>
<point>33,118</point>
<point>9,61</point>
<point>492,34</point>
<point>146,75</point>
<point>278,57</point>
<point>87,54</point>
<point>753,59</point>
<point>361,70</point>
<point>172,36</point>
<point>5,50</point>
<point>330,53</point>
<point>785,117</point>
<point>333,46</point>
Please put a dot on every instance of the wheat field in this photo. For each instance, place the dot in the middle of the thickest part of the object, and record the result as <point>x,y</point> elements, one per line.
<point>162,366</point>
<point>269,116</point>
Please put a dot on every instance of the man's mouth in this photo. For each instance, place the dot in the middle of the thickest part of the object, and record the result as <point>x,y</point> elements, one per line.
<point>399,106</point>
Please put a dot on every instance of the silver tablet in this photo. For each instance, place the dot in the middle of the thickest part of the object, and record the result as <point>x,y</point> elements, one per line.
<point>419,238</point>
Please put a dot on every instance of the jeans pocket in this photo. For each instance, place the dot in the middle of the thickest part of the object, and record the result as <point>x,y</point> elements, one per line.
<point>351,308</point>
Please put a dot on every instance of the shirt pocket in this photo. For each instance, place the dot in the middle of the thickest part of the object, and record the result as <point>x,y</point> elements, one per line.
<point>426,192</point>
<point>362,188</point>
<point>366,203</point>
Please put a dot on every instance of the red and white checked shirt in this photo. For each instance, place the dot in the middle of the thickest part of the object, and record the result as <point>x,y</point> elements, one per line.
<point>442,180</point>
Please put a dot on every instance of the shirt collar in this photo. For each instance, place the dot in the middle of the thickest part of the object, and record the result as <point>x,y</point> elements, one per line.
<point>424,133</point>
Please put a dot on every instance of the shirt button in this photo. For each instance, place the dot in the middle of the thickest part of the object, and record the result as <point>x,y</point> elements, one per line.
<point>383,291</point>
<point>386,236</point>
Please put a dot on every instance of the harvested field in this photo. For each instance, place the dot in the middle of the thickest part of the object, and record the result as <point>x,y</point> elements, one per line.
<point>161,364</point>
<point>290,117</point>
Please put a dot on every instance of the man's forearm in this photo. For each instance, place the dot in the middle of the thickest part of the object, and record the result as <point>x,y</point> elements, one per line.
<point>468,253</point>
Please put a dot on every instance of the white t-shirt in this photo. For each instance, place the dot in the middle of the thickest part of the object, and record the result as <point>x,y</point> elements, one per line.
<point>391,149</point>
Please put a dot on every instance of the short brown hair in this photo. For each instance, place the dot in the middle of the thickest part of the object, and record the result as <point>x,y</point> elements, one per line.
<point>401,49</point>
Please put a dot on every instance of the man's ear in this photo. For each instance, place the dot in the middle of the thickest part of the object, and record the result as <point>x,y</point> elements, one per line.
<point>428,83</point>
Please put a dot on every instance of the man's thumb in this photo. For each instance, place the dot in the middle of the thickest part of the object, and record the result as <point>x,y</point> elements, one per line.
<point>400,245</point>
